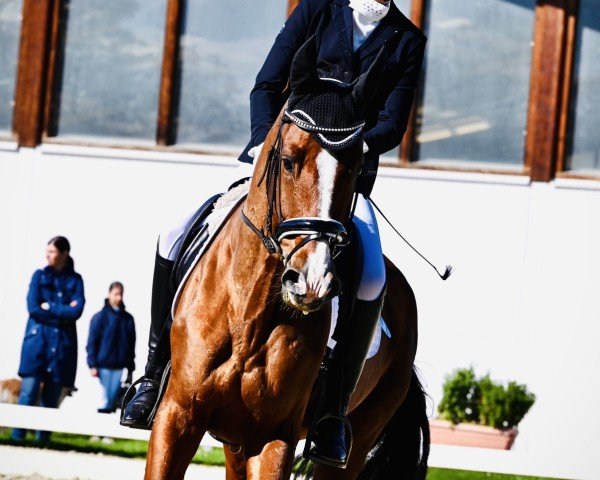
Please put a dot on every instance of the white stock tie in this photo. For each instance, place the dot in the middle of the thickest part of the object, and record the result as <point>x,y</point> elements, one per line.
<point>372,10</point>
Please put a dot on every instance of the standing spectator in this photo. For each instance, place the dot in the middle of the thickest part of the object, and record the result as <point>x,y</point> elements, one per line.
<point>111,346</point>
<point>49,354</point>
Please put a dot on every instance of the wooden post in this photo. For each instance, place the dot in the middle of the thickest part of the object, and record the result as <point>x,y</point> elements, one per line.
<point>291,5</point>
<point>165,132</point>
<point>546,90</point>
<point>31,75</point>
<point>55,69</point>
<point>571,40</point>
<point>407,147</point>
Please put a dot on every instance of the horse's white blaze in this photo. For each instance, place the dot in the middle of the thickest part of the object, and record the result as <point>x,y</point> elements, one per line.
<point>327,169</point>
<point>318,276</point>
<point>318,266</point>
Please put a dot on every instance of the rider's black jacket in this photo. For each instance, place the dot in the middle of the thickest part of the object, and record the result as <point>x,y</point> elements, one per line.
<point>388,112</point>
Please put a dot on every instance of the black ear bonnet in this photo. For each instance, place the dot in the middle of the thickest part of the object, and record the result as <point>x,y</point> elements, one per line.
<point>331,110</point>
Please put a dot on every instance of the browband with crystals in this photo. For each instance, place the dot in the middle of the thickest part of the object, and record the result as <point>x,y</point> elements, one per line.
<point>312,127</point>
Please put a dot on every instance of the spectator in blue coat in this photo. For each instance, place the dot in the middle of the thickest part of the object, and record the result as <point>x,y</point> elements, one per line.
<point>49,353</point>
<point>111,346</point>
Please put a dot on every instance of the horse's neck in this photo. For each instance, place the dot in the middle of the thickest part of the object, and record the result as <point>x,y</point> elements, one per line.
<point>258,319</point>
<point>254,274</point>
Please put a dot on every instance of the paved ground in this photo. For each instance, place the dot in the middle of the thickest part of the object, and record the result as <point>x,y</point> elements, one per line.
<point>18,463</point>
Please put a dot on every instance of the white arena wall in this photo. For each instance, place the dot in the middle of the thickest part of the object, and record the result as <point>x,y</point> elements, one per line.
<point>521,304</point>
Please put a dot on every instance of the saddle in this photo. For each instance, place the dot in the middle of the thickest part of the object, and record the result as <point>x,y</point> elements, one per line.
<point>202,229</point>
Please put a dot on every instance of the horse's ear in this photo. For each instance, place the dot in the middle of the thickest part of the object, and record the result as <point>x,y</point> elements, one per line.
<point>366,85</point>
<point>303,74</point>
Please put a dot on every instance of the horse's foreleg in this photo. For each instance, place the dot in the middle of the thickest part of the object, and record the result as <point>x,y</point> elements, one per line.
<point>274,462</point>
<point>174,440</point>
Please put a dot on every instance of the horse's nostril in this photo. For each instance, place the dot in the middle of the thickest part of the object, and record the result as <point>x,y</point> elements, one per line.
<point>290,276</point>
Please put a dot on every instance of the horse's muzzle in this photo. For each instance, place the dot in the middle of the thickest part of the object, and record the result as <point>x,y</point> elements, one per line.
<point>306,295</point>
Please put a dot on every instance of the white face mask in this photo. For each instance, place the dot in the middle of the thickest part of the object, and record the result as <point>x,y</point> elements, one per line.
<point>372,10</point>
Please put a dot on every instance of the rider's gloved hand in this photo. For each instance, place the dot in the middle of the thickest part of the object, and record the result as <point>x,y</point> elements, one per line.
<point>254,152</point>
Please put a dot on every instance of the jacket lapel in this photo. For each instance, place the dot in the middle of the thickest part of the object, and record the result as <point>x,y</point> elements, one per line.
<point>349,23</point>
<point>341,15</point>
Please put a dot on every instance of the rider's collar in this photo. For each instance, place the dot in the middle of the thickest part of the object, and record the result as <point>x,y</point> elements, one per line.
<point>371,10</point>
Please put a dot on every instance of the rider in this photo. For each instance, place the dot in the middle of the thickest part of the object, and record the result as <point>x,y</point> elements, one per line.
<point>350,35</point>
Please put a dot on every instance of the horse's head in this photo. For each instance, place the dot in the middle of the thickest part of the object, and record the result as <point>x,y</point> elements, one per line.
<point>310,172</point>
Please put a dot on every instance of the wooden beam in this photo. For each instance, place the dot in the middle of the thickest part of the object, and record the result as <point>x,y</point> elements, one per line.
<point>291,5</point>
<point>31,73</point>
<point>55,68</point>
<point>417,13</point>
<point>545,100</point>
<point>165,132</point>
<point>564,122</point>
<point>407,147</point>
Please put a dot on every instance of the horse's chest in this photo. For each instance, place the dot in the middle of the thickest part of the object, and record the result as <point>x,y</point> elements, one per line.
<point>280,375</point>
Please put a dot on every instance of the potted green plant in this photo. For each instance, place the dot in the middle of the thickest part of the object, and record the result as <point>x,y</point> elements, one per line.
<point>479,412</point>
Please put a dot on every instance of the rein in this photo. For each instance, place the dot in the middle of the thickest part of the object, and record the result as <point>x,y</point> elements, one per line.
<point>313,229</point>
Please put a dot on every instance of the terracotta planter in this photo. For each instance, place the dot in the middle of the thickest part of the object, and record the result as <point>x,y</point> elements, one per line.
<point>468,435</point>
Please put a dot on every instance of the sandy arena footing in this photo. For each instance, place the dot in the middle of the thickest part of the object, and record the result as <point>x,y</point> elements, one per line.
<point>19,463</point>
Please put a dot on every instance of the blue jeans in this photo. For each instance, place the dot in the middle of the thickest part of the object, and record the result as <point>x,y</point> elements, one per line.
<point>30,394</point>
<point>111,382</point>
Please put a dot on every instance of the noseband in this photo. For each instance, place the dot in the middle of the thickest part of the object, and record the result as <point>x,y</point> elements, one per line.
<point>313,229</point>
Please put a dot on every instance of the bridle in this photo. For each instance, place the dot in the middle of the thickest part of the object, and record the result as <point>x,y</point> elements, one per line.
<point>329,231</point>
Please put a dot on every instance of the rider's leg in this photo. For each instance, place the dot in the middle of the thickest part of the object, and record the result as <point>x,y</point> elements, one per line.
<point>137,411</point>
<point>332,446</point>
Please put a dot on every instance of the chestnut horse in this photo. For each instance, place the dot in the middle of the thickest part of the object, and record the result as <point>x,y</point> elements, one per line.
<point>250,331</point>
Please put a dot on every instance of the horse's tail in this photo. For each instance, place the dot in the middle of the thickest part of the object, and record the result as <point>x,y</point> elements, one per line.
<point>403,447</point>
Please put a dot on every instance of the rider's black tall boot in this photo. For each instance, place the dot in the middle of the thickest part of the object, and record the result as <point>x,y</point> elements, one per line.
<point>331,435</point>
<point>139,411</point>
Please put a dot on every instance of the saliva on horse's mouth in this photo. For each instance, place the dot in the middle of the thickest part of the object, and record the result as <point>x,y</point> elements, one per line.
<point>305,309</point>
<point>295,299</point>
<point>317,304</point>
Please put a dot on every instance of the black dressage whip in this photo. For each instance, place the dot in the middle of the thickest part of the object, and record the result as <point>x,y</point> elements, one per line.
<point>448,270</point>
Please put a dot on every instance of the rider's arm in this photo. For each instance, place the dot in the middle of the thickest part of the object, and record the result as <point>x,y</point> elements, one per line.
<point>268,97</point>
<point>393,119</point>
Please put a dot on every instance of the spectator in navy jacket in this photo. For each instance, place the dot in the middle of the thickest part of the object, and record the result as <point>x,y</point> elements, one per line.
<point>111,346</point>
<point>49,353</point>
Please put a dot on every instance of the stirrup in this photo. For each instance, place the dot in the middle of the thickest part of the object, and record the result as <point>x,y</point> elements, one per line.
<point>308,454</point>
<point>131,391</point>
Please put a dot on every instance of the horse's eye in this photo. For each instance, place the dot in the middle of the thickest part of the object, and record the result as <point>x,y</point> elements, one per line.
<point>288,164</point>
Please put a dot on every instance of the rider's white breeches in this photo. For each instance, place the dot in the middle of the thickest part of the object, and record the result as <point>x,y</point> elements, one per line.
<point>372,280</point>
<point>373,268</point>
